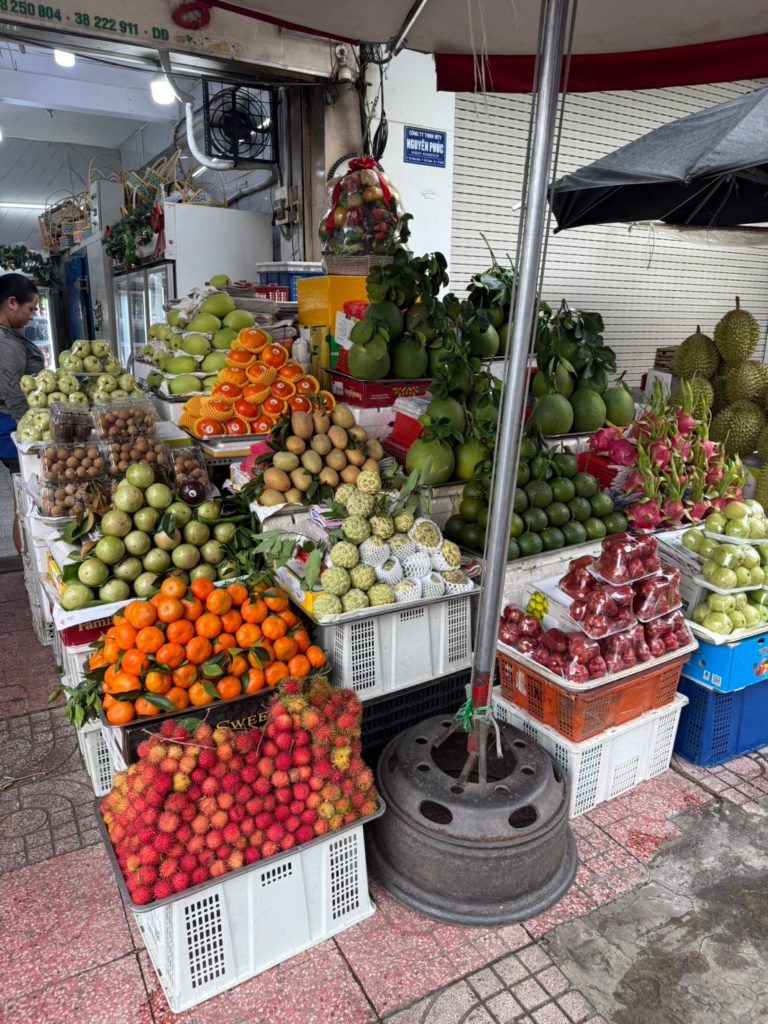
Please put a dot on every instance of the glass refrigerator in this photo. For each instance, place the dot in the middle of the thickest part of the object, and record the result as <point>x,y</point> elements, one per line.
<point>41,330</point>
<point>140,299</point>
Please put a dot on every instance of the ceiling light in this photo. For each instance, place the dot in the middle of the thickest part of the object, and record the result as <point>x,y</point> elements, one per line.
<point>1,134</point>
<point>64,58</point>
<point>162,91</point>
<point>22,206</point>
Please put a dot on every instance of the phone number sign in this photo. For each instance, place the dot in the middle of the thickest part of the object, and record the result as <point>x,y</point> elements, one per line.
<point>424,146</point>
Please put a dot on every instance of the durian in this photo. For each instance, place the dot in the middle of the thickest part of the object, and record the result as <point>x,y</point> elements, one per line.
<point>703,396</point>
<point>738,427</point>
<point>761,489</point>
<point>762,445</point>
<point>697,356</point>
<point>747,383</point>
<point>737,335</point>
<point>719,401</point>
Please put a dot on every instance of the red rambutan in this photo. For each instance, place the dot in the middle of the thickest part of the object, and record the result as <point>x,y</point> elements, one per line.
<point>223,852</point>
<point>296,806</point>
<point>283,761</point>
<point>254,806</point>
<point>308,817</point>
<point>266,767</point>
<point>180,881</point>
<point>310,719</point>
<point>263,820</point>
<point>196,844</point>
<point>210,786</point>
<point>304,833</point>
<point>284,795</point>
<point>184,833</point>
<point>163,842</point>
<point>213,839</point>
<point>198,876</point>
<point>162,889</point>
<point>287,842</point>
<point>269,849</point>
<point>301,756</point>
<point>225,801</point>
<point>323,769</point>
<point>237,813</point>
<point>235,860</point>
<point>168,822</point>
<point>226,751</point>
<point>268,748</point>
<point>207,805</point>
<point>302,738</point>
<point>284,741</point>
<point>199,775</point>
<point>217,869</point>
<point>275,832</point>
<point>205,858</point>
<point>206,760</point>
<point>168,728</point>
<point>280,780</point>
<point>230,832</point>
<point>188,863</point>
<point>247,827</point>
<point>142,895</point>
<point>249,774</point>
<point>230,783</point>
<point>262,786</point>
<point>219,818</point>
<point>283,722</point>
<point>269,803</point>
<point>148,854</point>
<point>282,813</point>
<point>168,868</point>
<point>252,855</point>
<point>292,823</point>
<point>301,791</point>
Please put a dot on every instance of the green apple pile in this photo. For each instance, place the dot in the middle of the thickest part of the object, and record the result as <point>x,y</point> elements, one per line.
<point>735,566</point>
<point>725,613</point>
<point>191,347</point>
<point>744,520</point>
<point>147,534</point>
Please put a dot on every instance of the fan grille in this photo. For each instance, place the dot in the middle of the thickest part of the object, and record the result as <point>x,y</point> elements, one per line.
<point>240,125</point>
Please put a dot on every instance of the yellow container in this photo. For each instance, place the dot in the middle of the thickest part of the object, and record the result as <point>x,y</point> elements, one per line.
<point>321,298</point>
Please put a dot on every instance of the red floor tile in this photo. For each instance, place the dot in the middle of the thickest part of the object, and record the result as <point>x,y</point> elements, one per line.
<point>60,918</point>
<point>315,989</point>
<point>111,994</point>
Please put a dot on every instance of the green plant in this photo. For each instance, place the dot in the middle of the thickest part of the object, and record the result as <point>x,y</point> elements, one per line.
<point>19,257</point>
<point>132,231</point>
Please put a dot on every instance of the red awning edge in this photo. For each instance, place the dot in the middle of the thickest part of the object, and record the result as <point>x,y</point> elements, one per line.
<point>725,61</point>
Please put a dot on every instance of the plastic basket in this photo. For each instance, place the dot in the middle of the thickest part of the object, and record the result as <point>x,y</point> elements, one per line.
<point>287,275</point>
<point>599,467</point>
<point>718,726</point>
<point>98,763</point>
<point>385,717</point>
<point>579,716</point>
<point>380,654</point>
<point>607,765</point>
<point>73,661</point>
<point>39,606</point>
<point>217,935</point>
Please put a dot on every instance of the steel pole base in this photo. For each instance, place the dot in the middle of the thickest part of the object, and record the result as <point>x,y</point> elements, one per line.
<point>467,853</point>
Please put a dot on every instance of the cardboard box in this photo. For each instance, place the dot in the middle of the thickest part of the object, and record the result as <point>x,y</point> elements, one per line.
<point>321,298</point>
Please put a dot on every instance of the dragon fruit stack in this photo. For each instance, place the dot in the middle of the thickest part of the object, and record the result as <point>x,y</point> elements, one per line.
<point>672,468</point>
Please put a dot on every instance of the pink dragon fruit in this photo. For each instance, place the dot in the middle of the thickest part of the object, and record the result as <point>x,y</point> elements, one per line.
<point>602,440</point>
<point>686,422</point>
<point>697,510</point>
<point>660,455</point>
<point>645,515</point>
<point>623,453</point>
<point>673,511</point>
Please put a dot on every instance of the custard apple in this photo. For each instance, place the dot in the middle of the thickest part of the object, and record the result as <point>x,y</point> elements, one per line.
<point>404,521</point>
<point>361,504</point>
<point>325,605</point>
<point>381,594</point>
<point>433,585</point>
<point>342,493</point>
<point>457,579</point>
<point>451,553</point>
<point>354,600</point>
<point>345,554</point>
<point>369,482</point>
<point>401,545</point>
<point>356,529</point>
<point>363,576</point>
<point>426,533</point>
<point>416,565</point>
<point>374,551</point>
<point>390,572</point>
<point>335,581</point>
<point>408,590</point>
<point>382,526</point>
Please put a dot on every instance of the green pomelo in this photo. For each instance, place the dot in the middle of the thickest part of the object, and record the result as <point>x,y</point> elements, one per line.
<point>588,410</point>
<point>409,360</point>
<point>553,415</point>
<point>363,366</point>
<point>619,406</point>
<point>484,344</point>
<point>448,409</point>
<point>181,364</point>
<point>220,281</point>
<point>387,313</point>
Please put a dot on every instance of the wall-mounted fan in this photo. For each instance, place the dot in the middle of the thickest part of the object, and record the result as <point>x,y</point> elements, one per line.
<point>240,124</point>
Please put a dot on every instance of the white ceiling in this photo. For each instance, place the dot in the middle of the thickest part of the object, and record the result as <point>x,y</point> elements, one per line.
<point>39,123</point>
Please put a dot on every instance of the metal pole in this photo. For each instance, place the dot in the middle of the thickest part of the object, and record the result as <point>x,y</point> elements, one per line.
<point>526,305</point>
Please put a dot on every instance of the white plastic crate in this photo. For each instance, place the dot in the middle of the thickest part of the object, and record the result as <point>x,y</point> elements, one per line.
<point>111,739</point>
<point>74,661</point>
<point>221,934</point>
<point>40,607</point>
<point>98,763</point>
<point>377,654</point>
<point>609,764</point>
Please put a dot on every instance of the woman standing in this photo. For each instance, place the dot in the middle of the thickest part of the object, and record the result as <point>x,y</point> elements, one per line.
<point>18,304</point>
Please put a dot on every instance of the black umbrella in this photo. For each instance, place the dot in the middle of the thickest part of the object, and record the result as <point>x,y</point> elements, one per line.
<point>708,169</point>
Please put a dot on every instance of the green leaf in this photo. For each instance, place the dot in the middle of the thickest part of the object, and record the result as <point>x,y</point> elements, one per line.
<point>159,701</point>
<point>190,724</point>
<point>210,689</point>
<point>312,568</point>
<point>211,670</point>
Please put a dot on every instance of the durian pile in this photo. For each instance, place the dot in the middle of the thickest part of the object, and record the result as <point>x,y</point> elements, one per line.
<point>731,383</point>
<point>384,556</point>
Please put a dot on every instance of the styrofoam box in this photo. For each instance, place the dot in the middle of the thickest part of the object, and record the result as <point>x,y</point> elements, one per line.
<point>379,654</point>
<point>610,763</point>
<point>220,935</point>
<point>98,763</point>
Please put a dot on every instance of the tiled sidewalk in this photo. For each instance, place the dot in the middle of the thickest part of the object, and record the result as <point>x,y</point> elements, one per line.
<point>71,954</point>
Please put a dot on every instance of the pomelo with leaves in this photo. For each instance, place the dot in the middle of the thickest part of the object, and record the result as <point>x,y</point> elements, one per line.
<point>432,454</point>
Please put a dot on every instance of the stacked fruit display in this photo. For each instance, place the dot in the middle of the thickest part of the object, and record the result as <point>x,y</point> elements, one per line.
<point>312,454</point>
<point>258,386</point>
<point>199,804</point>
<point>148,532</point>
<point>364,213</point>
<point>627,609</point>
<point>555,506</point>
<point>574,365</point>
<point>189,646</point>
<point>383,555</point>
<point>191,347</point>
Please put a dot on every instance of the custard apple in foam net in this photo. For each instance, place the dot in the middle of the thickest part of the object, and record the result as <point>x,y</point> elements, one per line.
<point>426,533</point>
<point>325,605</point>
<point>381,593</point>
<point>354,600</point>
<point>390,572</point>
<point>341,494</point>
<point>401,545</point>
<point>416,565</point>
<point>363,576</point>
<point>369,482</point>
<point>361,504</point>
<point>433,585</point>
<point>448,556</point>
<point>404,521</point>
<point>408,590</point>
<point>345,554</point>
<point>356,529</point>
<point>335,581</point>
<point>374,551</point>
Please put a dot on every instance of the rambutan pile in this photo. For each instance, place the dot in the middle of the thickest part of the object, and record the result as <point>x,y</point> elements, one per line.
<point>201,803</point>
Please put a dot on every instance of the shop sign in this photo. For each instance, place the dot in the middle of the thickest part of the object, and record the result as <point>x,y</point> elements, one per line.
<point>423,146</point>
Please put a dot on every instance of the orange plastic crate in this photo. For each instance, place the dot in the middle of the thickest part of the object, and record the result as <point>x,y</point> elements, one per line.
<point>579,716</point>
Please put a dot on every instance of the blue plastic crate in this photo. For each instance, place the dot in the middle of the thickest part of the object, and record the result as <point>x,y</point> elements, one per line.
<point>727,667</point>
<point>289,278</point>
<point>718,726</point>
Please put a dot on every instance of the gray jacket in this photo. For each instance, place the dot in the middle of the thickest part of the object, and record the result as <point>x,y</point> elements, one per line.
<point>17,357</point>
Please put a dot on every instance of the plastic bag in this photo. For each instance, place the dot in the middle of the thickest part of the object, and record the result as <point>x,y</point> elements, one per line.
<point>364,215</point>
<point>625,559</point>
<point>658,595</point>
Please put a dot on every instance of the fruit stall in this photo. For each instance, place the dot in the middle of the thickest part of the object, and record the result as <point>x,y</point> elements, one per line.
<point>258,560</point>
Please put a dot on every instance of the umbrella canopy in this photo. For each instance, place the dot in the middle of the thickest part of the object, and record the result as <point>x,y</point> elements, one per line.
<point>708,169</point>
<point>615,46</point>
